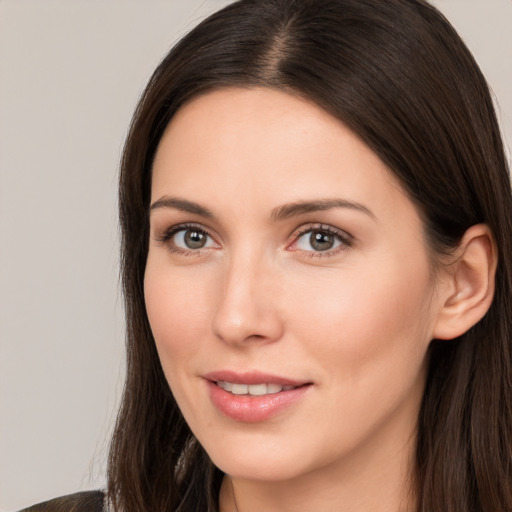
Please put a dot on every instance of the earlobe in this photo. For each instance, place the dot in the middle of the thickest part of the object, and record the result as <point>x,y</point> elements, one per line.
<point>470,289</point>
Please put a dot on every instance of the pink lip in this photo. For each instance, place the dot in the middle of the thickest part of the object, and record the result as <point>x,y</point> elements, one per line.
<point>253,409</point>
<point>252,377</point>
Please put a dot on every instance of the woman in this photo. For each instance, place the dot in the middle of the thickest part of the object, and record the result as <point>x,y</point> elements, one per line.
<point>315,209</point>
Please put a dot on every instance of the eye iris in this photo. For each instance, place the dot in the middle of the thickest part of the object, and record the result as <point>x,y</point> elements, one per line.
<point>195,239</point>
<point>321,241</point>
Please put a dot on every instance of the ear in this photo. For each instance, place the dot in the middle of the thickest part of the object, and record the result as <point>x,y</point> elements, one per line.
<point>469,288</point>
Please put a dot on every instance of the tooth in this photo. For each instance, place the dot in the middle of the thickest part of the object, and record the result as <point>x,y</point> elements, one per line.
<point>226,386</point>
<point>239,389</point>
<point>252,389</point>
<point>273,388</point>
<point>257,389</point>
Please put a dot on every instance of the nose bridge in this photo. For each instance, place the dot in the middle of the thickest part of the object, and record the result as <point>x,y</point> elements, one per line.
<point>247,306</point>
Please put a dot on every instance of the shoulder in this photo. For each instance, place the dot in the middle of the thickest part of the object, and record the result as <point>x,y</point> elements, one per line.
<point>87,501</point>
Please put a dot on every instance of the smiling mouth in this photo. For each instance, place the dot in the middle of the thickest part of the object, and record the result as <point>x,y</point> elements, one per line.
<point>252,389</point>
<point>252,397</point>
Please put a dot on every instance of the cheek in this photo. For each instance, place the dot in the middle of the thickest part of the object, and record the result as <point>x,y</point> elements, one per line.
<point>368,322</point>
<point>177,310</point>
<point>366,334</point>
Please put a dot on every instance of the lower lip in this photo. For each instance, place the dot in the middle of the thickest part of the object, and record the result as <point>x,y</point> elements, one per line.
<point>253,409</point>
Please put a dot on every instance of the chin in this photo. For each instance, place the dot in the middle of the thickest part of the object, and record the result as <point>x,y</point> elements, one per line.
<point>251,460</point>
<point>262,462</point>
<point>256,470</point>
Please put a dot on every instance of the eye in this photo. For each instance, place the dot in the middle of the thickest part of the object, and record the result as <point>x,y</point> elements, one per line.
<point>191,239</point>
<point>321,239</point>
<point>188,238</point>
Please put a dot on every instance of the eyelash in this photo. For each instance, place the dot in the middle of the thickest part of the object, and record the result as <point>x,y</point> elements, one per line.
<point>345,240</point>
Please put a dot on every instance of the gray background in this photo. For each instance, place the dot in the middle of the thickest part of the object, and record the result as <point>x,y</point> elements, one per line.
<point>70,74</point>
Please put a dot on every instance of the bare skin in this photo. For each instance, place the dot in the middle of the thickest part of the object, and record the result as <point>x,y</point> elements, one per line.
<point>281,244</point>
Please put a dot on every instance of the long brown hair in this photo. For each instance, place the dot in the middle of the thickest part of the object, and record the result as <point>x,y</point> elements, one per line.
<point>400,77</point>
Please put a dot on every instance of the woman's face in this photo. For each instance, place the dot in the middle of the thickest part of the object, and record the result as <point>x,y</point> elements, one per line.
<point>288,287</point>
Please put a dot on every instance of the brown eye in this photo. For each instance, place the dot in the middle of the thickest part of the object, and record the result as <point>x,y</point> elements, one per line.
<point>194,239</point>
<point>190,239</point>
<point>321,241</point>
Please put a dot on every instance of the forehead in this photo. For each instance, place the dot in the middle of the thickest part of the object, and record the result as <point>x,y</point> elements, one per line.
<point>256,121</point>
<point>243,146</point>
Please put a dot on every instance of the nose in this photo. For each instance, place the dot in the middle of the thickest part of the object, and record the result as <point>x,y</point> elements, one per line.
<point>247,309</point>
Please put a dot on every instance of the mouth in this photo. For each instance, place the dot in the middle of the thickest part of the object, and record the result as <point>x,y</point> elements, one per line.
<point>252,389</point>
<point>254,397</point>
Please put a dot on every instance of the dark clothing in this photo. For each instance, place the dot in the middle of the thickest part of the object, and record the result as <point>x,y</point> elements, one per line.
<point>87,501</point>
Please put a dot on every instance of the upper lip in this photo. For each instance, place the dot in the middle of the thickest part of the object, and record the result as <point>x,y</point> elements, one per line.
<point>252,377</point>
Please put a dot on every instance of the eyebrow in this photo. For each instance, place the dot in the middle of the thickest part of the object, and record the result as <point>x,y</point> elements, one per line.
<point>278,214</point>
<point>301,207</point>
<point>182,205</point>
